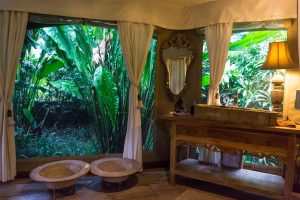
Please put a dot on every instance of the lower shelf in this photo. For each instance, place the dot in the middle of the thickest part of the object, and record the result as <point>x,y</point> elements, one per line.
<point>241,179</point>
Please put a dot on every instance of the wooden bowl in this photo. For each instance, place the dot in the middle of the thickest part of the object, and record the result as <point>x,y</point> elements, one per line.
<point>115,170</point>
<point>60,174</point>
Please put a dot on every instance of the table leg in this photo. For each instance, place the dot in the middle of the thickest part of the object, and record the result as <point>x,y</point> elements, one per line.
<point>290,165</point>
<point>173,153</point>
<point>53,196</point>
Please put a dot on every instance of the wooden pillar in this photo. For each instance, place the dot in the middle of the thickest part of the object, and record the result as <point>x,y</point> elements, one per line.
<point>173,153</point>
<point>290,166</point>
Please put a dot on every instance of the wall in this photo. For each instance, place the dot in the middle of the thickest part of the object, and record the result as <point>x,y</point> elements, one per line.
<point>163,103</point>
<point>292,78</point>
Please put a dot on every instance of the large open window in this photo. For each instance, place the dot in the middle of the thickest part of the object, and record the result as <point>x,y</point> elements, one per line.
<point>71,93</point>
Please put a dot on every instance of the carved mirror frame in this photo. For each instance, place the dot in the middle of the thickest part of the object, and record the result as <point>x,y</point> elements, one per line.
<point>177,40</point>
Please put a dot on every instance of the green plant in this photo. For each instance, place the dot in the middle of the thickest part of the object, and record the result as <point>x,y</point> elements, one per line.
<point>147,94</point>
<point>69,142</point>
<point>96,82</point>
<point>242,75</point>
<point>31,81</point>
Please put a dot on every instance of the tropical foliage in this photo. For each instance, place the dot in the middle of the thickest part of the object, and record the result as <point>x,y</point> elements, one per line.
<point>74,75</point>
<point>242,76</point>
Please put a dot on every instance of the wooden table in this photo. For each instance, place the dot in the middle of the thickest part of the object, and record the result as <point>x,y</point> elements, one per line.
<point>276,140</point>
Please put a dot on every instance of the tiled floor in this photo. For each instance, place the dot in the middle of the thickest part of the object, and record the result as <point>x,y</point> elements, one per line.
<point>152,184</point>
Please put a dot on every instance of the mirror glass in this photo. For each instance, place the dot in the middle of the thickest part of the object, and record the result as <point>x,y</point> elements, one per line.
<point>177,56</point>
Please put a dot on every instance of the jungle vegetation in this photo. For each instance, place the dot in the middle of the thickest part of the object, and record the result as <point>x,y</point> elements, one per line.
<point>71,93</point>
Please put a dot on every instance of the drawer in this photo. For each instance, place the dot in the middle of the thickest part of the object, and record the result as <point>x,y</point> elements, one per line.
<point>241,136</point>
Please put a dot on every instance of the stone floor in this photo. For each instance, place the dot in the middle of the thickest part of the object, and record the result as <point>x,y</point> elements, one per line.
<point>152,184</point>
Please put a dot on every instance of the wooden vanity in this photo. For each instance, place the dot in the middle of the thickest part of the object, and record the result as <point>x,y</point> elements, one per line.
<point>275,140</point>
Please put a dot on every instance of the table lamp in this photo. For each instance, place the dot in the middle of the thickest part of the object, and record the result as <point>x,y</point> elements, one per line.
<point>278,58</point>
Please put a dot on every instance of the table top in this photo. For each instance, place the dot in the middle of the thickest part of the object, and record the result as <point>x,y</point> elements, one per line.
<point>193,120</point>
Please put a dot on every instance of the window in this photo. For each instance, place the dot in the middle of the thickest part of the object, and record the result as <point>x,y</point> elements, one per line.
<point>71,93</point>
<point>242,76</point>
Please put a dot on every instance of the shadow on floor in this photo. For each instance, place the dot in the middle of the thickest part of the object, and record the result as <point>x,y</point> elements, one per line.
<point>96,184</point>
<point>218,189</point>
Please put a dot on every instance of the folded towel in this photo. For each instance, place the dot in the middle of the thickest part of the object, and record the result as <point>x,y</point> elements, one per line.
<point>286,123</point>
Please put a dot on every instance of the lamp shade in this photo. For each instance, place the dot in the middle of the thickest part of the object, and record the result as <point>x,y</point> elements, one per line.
<point>278,57</point>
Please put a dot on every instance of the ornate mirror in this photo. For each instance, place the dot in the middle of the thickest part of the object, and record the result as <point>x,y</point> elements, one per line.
<point>177,55</point>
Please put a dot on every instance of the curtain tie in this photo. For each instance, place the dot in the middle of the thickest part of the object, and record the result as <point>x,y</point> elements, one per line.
<point>140,101</point>
<point>136,85</point>
<point>7,104</point>
<point>214,87</point>
<point>216,94</point>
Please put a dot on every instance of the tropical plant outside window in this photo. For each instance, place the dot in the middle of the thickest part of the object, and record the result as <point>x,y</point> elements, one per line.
<point>71,93</point>
<point>243,78</point>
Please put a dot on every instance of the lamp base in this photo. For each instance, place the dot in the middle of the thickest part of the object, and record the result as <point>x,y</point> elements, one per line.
<point>277,92</point>
<point>277,98</point>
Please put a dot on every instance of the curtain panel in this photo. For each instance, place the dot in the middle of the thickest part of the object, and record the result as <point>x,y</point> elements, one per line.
<point>218,41</point>
<point>135,41</point>
<point>12,33</point>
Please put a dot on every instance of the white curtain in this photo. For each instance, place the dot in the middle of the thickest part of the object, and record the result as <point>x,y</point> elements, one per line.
<point>135,41</point>
<point>218,39</point>
<point>12,33</point>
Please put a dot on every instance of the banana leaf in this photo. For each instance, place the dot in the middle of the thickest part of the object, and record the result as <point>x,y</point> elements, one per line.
<point>49,66</point>
<point>250,39</point>
<point>106,91</point>
<point>205,80</point>
<point>30,118</point>
<point>66,86</point>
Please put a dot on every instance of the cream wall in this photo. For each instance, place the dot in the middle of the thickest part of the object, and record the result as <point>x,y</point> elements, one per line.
<point>163,103</point>
<point>292,78</point>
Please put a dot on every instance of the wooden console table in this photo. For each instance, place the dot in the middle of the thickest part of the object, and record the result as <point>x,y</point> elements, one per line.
<point>278,141</point>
